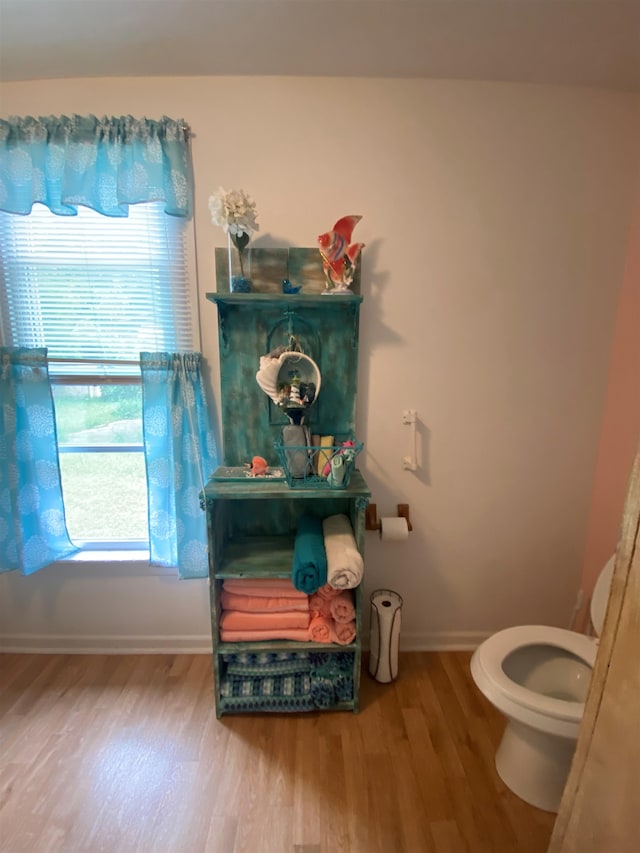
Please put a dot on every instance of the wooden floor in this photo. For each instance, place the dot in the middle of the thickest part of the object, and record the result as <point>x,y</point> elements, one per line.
<point>124,753</point>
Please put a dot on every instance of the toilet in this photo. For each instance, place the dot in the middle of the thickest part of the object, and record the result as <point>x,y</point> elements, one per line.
<point>538,676</point>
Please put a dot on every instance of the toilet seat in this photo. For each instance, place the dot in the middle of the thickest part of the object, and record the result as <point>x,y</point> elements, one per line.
<point>513,699</point>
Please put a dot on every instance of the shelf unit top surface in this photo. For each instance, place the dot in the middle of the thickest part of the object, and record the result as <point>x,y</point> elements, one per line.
<point>284,298</point>
<point>264,488</point>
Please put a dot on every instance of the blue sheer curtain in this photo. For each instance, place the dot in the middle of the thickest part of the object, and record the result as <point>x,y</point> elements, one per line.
<point>33,529</point>
<point>103,163</point>
<point>180,456</point>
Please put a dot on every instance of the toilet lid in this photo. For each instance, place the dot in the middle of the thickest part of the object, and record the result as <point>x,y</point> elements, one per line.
<point>600,596</point>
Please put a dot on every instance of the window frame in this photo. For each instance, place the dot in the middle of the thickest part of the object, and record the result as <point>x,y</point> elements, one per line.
<point>138,549</point>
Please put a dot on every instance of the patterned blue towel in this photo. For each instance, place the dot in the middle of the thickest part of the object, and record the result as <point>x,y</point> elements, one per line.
<point>323,692</point>
<point>267,693</point>
<point>286,681</point>
<point>334,669</point>
<point>267,663</point>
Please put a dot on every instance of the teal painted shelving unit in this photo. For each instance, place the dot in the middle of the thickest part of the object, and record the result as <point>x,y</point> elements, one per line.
<point>251,522</point>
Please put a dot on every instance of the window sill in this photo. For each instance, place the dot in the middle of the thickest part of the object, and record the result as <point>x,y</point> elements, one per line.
<point>89,555</point>
<point>113,563</point>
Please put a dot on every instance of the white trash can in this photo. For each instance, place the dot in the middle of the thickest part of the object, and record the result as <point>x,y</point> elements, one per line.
<point>386,615</point>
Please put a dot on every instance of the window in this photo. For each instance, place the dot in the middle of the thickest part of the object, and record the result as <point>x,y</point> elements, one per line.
<point>97,291</point>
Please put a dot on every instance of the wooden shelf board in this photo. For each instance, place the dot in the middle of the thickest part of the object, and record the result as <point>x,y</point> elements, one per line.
<point>229,709</point>
<point>283,646</point>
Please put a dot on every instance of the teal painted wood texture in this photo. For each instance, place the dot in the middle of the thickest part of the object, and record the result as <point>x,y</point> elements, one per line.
<point>301,266</point>
<point>250,326</point>
<point>252,521</point>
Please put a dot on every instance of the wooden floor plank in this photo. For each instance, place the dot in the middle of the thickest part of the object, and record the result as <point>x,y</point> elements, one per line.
<point>124,754</point>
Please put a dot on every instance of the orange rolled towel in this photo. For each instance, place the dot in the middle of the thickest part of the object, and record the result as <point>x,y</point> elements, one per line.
<point>328,592</point>
<point>320,630</point>
<point>343,633</point>
<point>319,606</point>
<point>342,607</point>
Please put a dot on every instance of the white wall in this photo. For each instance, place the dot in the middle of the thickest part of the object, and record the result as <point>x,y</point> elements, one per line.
<point>496,221</point>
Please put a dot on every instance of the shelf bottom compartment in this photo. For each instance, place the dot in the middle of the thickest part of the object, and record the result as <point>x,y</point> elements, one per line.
<point>286,681</point>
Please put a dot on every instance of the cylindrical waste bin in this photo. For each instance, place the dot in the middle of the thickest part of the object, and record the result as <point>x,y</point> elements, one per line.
<point>386,614</point>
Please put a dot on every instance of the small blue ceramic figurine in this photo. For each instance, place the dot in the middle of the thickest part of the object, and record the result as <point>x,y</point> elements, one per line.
<point>287,287</point>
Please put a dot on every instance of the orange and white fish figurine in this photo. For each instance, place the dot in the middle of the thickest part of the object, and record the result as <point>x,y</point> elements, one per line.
<point>339,254</point>
<point>258,467</point>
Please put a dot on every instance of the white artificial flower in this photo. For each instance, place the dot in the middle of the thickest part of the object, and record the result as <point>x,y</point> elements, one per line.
<point>234,211</point>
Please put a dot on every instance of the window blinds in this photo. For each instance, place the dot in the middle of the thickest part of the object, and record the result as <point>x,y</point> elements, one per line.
<point>95,287</point>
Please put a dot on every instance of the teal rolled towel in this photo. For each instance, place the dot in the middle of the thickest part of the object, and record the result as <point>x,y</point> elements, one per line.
<point>309,557</point>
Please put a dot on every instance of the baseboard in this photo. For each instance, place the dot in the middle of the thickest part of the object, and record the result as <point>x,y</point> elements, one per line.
<point>444,641</point>
<point>185,644</point>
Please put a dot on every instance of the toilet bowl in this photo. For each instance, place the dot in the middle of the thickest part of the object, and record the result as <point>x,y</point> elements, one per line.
<point>538,677</point>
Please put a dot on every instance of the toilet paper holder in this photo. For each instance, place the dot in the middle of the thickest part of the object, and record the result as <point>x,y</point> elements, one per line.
<point>371,521</point>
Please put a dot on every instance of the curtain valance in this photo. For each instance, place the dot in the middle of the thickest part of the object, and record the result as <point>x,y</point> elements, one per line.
<point>103,163</point>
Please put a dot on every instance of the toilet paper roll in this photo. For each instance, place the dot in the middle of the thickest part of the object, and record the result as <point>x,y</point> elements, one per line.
<point>394,529</point>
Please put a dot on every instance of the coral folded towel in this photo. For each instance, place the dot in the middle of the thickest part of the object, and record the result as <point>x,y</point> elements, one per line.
<point>309,558</point>
<point>343,633</point>
<point>269,587</point>
<point>301,635</point>
<point>345,566</point>
<point>262,604</point>
<point>239,620</point>
<point>320,629</point>
<point>342,608</point>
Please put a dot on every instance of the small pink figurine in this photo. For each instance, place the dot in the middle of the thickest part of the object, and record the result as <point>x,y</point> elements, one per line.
<point>339,255</point>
